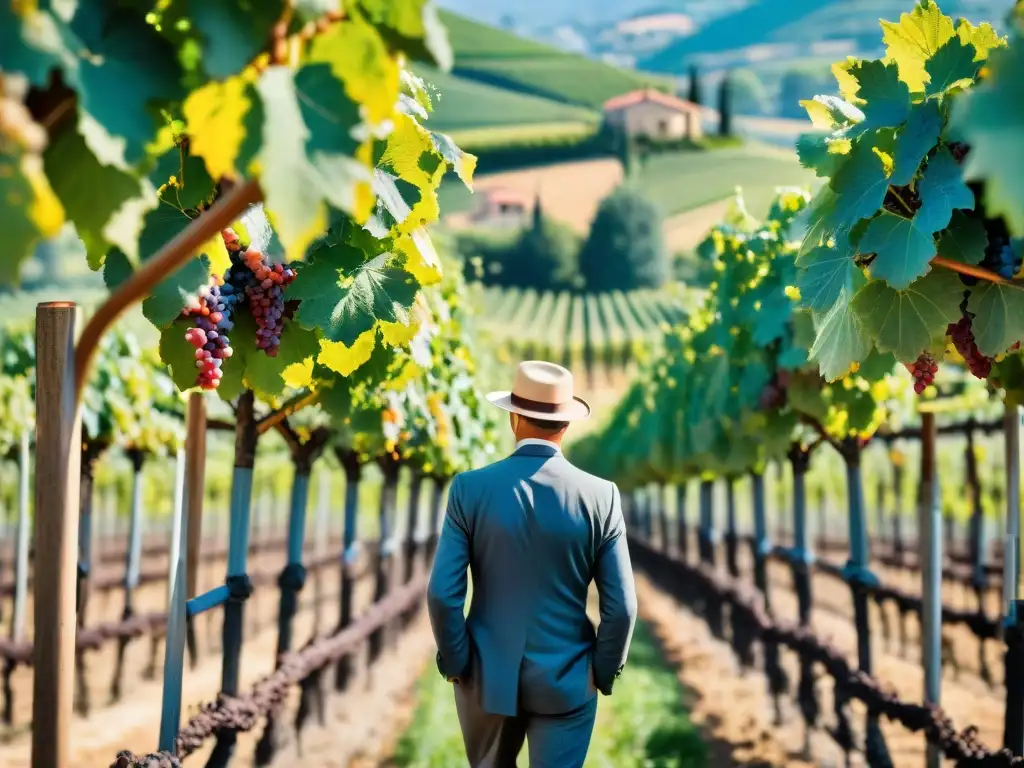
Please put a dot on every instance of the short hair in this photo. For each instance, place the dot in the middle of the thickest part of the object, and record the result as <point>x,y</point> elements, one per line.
<point>545,424</point>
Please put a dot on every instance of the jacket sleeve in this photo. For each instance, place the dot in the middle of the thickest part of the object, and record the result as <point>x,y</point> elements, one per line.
<point>446,590</point>
<point>613,576</point>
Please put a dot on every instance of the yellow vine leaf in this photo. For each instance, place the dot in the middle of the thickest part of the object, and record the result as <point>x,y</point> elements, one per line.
<point>886,158</point>
<point>821,116</point>
<point>839,146</point>
<point>427,271</point>
<point>983,37</point>
<point>398,334</point>
<point>215,114</point>
<point>848,84</point>
<point>45,210</point>
<point>298,375</point>
<point>359,57</point>
<point>217,254</point>
<point>915,39</point>
<point>344,360</point>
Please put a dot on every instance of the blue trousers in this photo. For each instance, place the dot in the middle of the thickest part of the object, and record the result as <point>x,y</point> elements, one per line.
<point>494,741</point>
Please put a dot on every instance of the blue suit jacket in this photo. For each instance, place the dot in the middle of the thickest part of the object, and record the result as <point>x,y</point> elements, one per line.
<point>535,531</point>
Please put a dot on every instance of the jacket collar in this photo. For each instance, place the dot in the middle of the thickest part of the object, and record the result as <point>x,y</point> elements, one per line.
<point>533,446</point>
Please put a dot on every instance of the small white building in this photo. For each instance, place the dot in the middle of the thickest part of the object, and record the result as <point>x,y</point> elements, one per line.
<point>654,115</point>
<point>500,207</point>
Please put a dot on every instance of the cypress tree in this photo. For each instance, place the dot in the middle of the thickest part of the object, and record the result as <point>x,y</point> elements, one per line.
<point>725,107</point>
<point>695,97</point>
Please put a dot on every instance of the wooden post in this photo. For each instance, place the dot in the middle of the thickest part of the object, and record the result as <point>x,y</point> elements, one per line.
<point>174,640</point>
<point>58,464</point>
<point>930,557</point>
<point>195,478</point>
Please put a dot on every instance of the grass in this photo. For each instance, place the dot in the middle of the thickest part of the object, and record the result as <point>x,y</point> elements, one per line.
<point>461,104</point>
<point>501,58</point>
<point>683,181</point>
<point>642,725</point>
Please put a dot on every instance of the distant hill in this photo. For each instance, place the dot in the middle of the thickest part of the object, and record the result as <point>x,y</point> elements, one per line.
<point>798,27</point>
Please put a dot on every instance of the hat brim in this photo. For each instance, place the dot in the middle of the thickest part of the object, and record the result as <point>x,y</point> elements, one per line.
<point>577,410</point>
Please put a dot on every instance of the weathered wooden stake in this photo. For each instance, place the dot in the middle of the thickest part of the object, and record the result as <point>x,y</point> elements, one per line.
<point>58,463</point>
<point>195,479</point>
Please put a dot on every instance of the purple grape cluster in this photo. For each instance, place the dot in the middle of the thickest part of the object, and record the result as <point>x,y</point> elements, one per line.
<point>209,336</point>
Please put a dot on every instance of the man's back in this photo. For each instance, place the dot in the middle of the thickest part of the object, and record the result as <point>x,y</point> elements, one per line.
<point>535,531</point>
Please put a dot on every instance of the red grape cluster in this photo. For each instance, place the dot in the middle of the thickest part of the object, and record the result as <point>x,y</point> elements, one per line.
<point>962,335</point>
<point>266,299</point>
<point>959,151</point>
<point>212,313</point>
<point>774,393</point>
<point>923,370</point>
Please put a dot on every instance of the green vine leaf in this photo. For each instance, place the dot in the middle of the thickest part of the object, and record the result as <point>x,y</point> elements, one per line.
<point>860,185</point>
<point>825,272</point>
<point>953,65</point>
<point>942,190</point>
<point>902,249</point>
<point>990,118</point>
<point>265,375</point>
<point>964,240</point>
<point>233,33</point>
<point>344,297</point>
<point>914,141</point>
<point>909,321</point>
<point>92,193</point>
<point>841,340</point>
<point>998,310</point>
<point>888,99</point>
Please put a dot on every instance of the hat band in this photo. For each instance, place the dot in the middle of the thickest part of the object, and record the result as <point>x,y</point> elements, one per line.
<point>535,405</point>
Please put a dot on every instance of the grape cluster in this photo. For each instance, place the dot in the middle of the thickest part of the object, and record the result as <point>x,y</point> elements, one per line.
<point>923,370</point>
<point>962,335</point>
<point>774,393</point>
<point>959,151</point>
<point>266,299</point>
<point>250,278</point>
<point>1007,260</point>
<point>212,313</point>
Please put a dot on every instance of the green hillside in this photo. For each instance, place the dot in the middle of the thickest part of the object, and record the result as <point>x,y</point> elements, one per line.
<point>683,181</point>
<point>499,58</point>
<point>461,104</point>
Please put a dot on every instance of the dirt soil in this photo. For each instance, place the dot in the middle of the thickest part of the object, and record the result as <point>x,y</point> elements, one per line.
<point>735,709</point>
<point>132,722</point>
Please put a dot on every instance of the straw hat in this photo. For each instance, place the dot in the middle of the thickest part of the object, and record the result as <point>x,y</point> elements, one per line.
<point>542,391</point>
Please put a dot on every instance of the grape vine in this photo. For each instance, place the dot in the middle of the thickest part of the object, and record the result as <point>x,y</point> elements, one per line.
<point>739,380</point>
<point>322,138</point>
<point>910,249</point>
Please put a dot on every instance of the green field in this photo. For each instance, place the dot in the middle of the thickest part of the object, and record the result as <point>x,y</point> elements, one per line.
<point>590,331</point>
<point>461,104</point>
<point>642,725</point>
<point>683,181</point>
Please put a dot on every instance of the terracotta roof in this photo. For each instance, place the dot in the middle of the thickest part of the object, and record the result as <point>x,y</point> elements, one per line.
<point>633,98</point>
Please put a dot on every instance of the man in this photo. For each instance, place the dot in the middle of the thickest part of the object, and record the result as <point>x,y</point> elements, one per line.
<point>535,531</point>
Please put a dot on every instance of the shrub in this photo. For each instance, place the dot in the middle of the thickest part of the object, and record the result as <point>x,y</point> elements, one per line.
<point>540,256</point>
<point>625,249</point>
